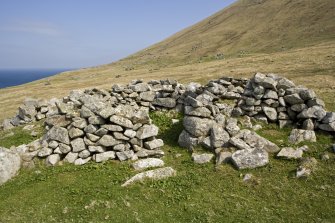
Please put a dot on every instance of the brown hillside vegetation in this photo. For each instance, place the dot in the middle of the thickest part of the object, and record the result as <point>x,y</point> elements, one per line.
<point>295,39</point>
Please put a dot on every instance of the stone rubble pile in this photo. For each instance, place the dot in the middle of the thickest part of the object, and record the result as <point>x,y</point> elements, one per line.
<point>276,99</point>
<point>100,125</point>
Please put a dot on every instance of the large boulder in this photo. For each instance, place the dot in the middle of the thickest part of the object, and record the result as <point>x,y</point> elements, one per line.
<point>249,159</point>
<point>10,163</point>
<point>156,174</point>
<point>197,126</point>
<point>300,135</point>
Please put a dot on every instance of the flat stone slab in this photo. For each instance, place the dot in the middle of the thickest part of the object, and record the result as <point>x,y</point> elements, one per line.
<point>249,159</point>
<point>156,174</point>
<point>202,158</point>
<point>148,163</point>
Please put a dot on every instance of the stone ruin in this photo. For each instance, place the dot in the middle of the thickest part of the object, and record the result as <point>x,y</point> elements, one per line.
<point>100,125</point>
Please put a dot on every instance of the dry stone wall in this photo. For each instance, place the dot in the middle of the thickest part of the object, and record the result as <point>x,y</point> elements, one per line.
<point>100,125</point>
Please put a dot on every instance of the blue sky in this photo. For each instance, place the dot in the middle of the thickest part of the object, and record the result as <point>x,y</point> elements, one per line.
<point>83,33</point>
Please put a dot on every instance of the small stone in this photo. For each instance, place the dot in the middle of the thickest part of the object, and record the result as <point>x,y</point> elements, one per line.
<point>125,155</point>
<point>103,157</point>
<point>290,153</point>
<point>59,134</point>
<point>63,148</point>
<point>271,113</point>
<point>53,144</point>
<point>84,154</point>
<point>199,111</point>
<point>148,163</point>
<point>165,102</point>
<point>108,140</point>
<point>156,174</point>
<point>198,126</point>
<point>53,159</point>
<point>90,129</point>
<point>80,161</point>
<point>96,149</point>
<point>44,152</point>
<point>154,144</point>
<point>71,157</point>
<point>293,99</point>
<point>75,133</point>
<point>300,135</point>
<point>119,120</point>
<point>186,140</point>
<point>247,177</point>
<point>202,158</point>
<point>232,127</point>
<point>219,137</point>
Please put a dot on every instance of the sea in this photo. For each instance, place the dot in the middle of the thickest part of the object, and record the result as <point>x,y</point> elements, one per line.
<point>13,77</point>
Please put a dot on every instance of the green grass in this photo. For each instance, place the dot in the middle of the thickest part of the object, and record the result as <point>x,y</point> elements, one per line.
<point>18,136</point>
<point>199,193</point>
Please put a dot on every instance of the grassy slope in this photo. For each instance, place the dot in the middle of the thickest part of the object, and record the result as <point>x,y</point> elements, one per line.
<point>199,193</point>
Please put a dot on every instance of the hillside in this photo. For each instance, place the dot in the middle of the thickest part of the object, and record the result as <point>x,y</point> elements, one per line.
<point>291,38</point>
<point>247,27</point>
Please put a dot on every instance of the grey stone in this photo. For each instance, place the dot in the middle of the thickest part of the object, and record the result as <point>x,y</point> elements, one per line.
<point>148,163</point>
<point>124,122</point>
<point>44,152</point>
<point>307,94</point>
<point>130,133</point>
<point>219,137</point>
<point>329,118</point>
<point>298,107</point>
<point>256,141</point>
<point>154,144</point>
<point>119,147</point>
<point>165,102</point>
<point>270,94</point>
<point>81,161</point>
<point>148,96</point>
<point>308,124</point>
<point>85,112</point>
<point>140,87</point>
<point>53,144</point>
<point>57,120</point>
<point>239,143</point>
<point>59,134</point>
<point>249,159</point>
<point>113,128</point>
<point>147,131</point>
<point>65,108</point>
<point>316,112</point>
<point>27,112</point>
<point>199,111</point>
<point>290,153</point>
<point>78,145</point>
<point>186,140</point>
<point>266,82</point>
<point>52,160</point>
<point>107,141</point>
<point>232,127</point>
<point>84,154</point>
<point>330,127</point>
<point>125,155</point>
<point>10,163</point>
<point>283,116</point>
<point>120,136</point>
<point>75,133</point>
<point>96,120</point>
<point>156,174</point>
<point>92,137</point>
<point>271,113</point>
<point>79,123</point>
<point>197,126</point>
<point>285,123</point>
<point>96,149</point>
<point>300,135</point>
<point>6,124</point>
<point>206,142</point>
<point>107,112</point>
<point>142,153</point>
<point>315,102</point>
<point>103,157</point>
<point>223,157</point>
<point>90,129</point>
<point>70,157</point>
<point>141,116</point>
<point>64,149</point>
<point>293,99</point>
<point>202,158</point>
<point>284,84</point>
<point>193,102</point>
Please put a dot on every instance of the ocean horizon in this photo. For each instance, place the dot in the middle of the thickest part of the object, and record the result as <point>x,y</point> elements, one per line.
<point>14,77</point>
